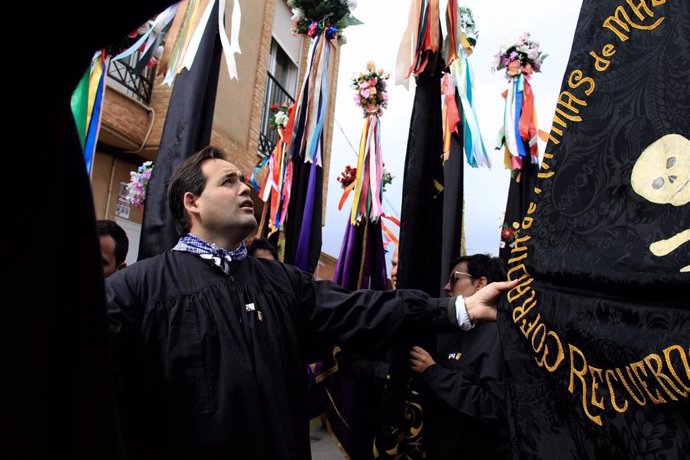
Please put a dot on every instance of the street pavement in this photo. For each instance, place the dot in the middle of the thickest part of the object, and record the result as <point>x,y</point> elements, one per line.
<point>324,446</point>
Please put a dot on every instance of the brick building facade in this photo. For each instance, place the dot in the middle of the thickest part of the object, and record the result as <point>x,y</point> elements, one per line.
<point>131,129</point>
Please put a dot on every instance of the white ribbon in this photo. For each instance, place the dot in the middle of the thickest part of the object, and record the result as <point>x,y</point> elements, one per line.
<point>160,22</point>
<point>233,46</point>
<point>195,41</point>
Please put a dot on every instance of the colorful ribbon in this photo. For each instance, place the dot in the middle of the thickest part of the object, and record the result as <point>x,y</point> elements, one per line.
<point>368,192</point>
<point>519,123</point>
<point>87,102</point>
<point>180,54</point>
<point>473,142</point>
<point>277,183</point>
<point>420,39</point>
<point>304,131</point>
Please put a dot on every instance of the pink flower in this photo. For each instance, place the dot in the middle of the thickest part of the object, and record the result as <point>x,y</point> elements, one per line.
<point>364,93</point>
<point>513,68</point>
<point>313,28</point>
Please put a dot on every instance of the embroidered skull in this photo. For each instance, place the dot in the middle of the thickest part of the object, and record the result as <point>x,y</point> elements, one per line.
<point>662,175</point>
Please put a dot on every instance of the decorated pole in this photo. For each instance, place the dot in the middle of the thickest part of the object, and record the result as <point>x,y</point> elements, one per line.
<point>460,130</point>
<point>322,22</point>
<point>519,133</point>
<point>362,261</point>
<point>275,189</point>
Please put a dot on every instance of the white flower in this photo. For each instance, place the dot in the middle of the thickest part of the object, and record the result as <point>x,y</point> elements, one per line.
<point>281,119</point>
<point>297,14</point>
<point>352,4</point>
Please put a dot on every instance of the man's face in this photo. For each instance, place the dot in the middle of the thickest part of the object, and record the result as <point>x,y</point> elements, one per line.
<point>108,255</point>
<point>394,269</point>
<point>460,282</point>
<point>224,205</point>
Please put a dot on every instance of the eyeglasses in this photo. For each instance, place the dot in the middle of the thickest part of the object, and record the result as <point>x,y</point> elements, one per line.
<point>455,275</point>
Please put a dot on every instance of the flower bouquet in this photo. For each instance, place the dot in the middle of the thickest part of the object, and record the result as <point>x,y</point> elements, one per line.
<point>386,179</point>
<point>312,17</point>
<point>279,115</point>
<point>347,177</point>
<point>370,87</point>
<point>522,56</point>
<point>138,183</point>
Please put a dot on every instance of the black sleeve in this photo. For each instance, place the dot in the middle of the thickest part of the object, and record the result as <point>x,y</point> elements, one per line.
<point>125,309</point>
<point>480,395</point>
<point>125,316</point>
<point>366,319</point>
<point>360,367</point>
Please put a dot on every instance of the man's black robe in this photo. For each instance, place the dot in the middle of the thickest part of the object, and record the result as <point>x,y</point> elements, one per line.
<point>213,365</point>
<point>467,414</point>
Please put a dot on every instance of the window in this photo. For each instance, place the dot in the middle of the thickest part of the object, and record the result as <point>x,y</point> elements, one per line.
<point>281,86</point>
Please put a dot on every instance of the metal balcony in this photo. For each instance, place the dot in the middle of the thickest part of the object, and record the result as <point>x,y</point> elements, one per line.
<point>137,84</point>
<point>275,94</point>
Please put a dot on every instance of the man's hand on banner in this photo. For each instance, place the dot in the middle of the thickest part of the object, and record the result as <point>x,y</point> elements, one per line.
<point>481,306</point>
<point>420,359</point>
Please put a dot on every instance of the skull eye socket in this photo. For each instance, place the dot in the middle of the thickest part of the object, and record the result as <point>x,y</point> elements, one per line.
<point>670,162</point>
<point>658,183</point>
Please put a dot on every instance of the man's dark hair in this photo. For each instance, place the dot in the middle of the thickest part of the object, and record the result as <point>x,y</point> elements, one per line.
<point>479,265</point>
<point>111,228</point>
<point>187,177</point>
<point>262,243</point>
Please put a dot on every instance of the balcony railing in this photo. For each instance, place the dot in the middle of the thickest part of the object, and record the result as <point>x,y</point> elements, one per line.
<point>136,84</point>
<point>275,94</point>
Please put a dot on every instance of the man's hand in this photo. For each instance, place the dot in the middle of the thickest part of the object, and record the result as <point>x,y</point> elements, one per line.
<point>420,359</point>
<point>481,306</point>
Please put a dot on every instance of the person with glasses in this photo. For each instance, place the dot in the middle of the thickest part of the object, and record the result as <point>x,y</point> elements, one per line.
<point>466,414</point>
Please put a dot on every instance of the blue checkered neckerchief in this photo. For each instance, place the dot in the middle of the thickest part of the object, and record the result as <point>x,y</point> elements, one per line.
<point>220,257</point>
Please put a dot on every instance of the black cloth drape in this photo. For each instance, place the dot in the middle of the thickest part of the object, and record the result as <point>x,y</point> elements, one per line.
<point>421,214</point>
<point>419,259</point>
<point>57,386</point>
<point>453,203</point>
<point>596,339</point>
<point>187,129</point>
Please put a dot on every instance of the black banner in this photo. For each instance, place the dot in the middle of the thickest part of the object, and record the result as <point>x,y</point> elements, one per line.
<point>597,335</point>
<point>421,229</point>
<point>187,129</point>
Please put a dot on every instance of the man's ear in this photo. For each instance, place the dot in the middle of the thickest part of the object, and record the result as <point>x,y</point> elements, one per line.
<point>481,282</point>
<point>190,203</point>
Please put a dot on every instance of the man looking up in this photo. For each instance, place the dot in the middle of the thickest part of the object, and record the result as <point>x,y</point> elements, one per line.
<point>211,345</point>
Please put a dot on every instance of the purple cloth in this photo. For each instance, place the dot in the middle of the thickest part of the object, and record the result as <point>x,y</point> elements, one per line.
<point>349,272</point>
